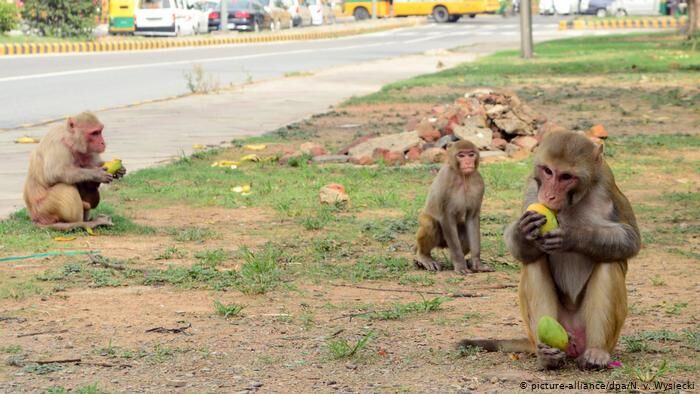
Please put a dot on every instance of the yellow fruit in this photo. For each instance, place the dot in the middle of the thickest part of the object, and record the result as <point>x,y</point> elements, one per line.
<point>251,157</point>
<point>26,140</point>
<point>551,223</point>
<point>112,166</point>
<point>255,146</point>
<point>551,333</point>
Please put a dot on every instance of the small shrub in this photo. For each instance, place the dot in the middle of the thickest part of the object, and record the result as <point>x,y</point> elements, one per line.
<point>60,18</point>
<point>8,17</point>
<point>229,310</point>
<point>342,348</point>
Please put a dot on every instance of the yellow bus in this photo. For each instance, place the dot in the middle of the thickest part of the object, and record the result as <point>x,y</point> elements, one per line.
<point>441,10</point>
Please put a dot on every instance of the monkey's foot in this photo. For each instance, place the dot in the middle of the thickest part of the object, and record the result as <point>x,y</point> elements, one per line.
<point>462,270</point>
<point>99,221</point>
<point>593,359</point>
<point>480,267</point>
<point>549,357</point>
<point>426,263</point>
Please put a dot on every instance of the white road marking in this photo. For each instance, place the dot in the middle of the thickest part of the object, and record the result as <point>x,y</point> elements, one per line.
<point>180,62</point>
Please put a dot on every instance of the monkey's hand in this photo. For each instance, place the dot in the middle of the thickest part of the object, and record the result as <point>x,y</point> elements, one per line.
<point>529,225</point>
<point>120,173</point>
<point>102,176</point>
<point>553,241</point>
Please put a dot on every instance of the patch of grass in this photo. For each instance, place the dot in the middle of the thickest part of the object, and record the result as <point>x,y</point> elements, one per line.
<point>19,234</point>
<point>646,372</point>
<point>388,229</point>
<point>227,310</point>
<point>195,276</point>
<point>42,369</point>
<point>261,272</point>
<point>676,308</point>
<point>19,289</point>
<point>692,337</point>
<point>640,342</point>
<point>211,257</point>
<point>172,252</point>
<point>400,311</point>
<point>416,280</point>
<point>341,348</point>
<point>89,389</point>
<point>11,349</point>
<point>657,281</point>
<point>377,267</point>
<point>192,234</point>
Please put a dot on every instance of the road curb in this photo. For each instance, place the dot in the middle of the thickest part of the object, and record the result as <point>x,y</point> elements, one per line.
<point>149,44</point>
<point>643,23</point>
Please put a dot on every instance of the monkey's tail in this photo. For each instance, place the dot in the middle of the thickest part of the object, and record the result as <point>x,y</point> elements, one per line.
<point>522,345</point>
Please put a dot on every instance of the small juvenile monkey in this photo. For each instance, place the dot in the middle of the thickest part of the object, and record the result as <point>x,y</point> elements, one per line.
<point>576,272</point>
<point>450,217</point>
<point>65,172</point>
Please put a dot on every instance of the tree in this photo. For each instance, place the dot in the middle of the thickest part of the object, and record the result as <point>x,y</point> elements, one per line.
<point>694,17</point>
<point>60,18</point>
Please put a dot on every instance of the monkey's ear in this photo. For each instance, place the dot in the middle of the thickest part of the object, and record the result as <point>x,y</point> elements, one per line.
<point>70,123</point>
<point>598,153</point>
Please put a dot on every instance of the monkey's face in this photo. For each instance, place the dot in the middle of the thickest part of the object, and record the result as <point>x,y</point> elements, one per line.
<point>467,161</point>
<point>555,185</point>
<point>95,141</point>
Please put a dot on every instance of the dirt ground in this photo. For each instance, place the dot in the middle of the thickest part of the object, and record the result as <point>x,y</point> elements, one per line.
<point>279,344</point>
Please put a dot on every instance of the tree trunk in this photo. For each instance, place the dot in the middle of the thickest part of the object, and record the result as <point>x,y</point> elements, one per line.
<point>694,17</point>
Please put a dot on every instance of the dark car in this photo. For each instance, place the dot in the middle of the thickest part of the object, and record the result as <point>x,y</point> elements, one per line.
<point>595,7</point>
<point>247,15</point>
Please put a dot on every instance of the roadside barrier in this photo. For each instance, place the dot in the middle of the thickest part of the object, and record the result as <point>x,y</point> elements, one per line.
<point>643,23</point>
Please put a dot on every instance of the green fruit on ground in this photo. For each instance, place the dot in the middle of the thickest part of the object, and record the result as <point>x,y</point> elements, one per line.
<point>551,333</point>
<point>551,223</point>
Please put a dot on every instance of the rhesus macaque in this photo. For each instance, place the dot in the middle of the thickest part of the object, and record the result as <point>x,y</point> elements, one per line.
<point>450,217</point>
<point>576,272</point>
<point>65,172</point>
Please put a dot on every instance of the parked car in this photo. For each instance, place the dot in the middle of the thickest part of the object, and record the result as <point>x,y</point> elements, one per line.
<point>321,12</point>
<point>281,18</point>
<point>245,15</point>
<point>595,7</point>
<point>163,18</point>
<point>634,7</point>
<point>559,7</point>
<point>301,16</point>
<point>199,14</point>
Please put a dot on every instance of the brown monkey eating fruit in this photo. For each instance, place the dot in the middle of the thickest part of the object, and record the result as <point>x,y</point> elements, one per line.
<point>65,172</point>
<point>575,272</point>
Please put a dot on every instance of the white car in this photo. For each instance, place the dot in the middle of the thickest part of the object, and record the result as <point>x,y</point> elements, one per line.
<point>164,18</point>
<point>199,13</point>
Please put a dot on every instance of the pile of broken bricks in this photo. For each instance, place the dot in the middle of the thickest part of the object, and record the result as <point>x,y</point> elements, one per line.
<point>498,123</point>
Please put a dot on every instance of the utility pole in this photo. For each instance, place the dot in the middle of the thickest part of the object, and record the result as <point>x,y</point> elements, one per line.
<point>224,16</point>
<point>374,9</point>
<point>525,29</point>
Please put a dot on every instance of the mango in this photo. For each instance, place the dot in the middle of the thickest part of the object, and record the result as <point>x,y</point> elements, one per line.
<point>112,166</point>
<point>551,216</point>
<point>551,333</point>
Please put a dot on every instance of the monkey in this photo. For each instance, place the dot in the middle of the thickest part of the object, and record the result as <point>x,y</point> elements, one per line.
<point>450,217</point>
<point>576,272</point>
<point>65,172</point>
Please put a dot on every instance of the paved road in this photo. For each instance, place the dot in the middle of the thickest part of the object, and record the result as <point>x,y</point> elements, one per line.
<point>146,135</point>
<point>35,88</point>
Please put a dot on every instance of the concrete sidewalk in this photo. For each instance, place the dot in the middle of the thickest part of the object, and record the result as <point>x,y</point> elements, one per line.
<point>155,133</point>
